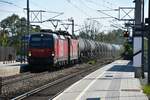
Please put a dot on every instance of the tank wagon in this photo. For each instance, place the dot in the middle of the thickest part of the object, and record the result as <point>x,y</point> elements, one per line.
<point>93,49</point>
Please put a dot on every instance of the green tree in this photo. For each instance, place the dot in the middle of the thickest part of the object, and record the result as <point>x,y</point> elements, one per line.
<point>10,23</point>
<point>13,28</point>
<point>128,51</point>
<point>37,28</point>
<point>4,38</point>
<point>90,30</point>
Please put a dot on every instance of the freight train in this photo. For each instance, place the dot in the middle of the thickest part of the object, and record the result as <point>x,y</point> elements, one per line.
<point>60,48</point>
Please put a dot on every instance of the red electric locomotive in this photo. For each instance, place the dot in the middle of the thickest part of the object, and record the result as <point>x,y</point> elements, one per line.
<point>55,48</point>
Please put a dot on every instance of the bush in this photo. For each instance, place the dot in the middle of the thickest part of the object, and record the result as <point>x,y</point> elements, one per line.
<point>146,89</point>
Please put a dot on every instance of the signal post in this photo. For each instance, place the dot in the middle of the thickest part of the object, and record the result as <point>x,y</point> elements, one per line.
<point>137,38</point>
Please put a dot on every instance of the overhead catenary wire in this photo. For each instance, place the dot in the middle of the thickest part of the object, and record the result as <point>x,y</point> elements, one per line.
<point>11,11</point>
<point>74,5</point>
<point>46,19</point>
<point>84,12</point>
<point>71,2</point>
<point>52,20</point>
<point>6,2</point>
<point>110,3</point>
<point>116,25</point>
<point>101,11</point>
<point>107,14</point>
<point>10,3</point>
<point>46,10</point>
<point>95,3</point>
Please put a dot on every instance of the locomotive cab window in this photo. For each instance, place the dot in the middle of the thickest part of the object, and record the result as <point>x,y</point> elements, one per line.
<point>35,41</point>
<point>41,41</point>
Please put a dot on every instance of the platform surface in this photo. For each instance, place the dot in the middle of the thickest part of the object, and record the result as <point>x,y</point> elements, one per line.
<point>9,69</point>
<point>114,81</point>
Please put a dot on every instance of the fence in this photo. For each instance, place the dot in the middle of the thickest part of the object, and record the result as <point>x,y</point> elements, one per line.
<point>6,53</point>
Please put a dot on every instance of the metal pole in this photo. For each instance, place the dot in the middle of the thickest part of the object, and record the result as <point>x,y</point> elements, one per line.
<point>143,39</point>
<point>0,85</point>
<point>137,41</point>
<point>73,27</point>
<point>28,20</point>
<point>149,46</point>
<point>24,46</point>
<point>28,23</point>
<point>21,43</point>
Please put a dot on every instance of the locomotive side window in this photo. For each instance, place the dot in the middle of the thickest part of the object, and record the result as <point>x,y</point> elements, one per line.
<point>47,42</point>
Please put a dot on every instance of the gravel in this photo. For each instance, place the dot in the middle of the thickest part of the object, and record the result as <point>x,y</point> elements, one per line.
<point>24,84</point>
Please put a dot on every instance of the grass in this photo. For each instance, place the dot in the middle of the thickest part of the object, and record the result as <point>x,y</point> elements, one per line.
<point>146,89</point>
<point>92,62</point>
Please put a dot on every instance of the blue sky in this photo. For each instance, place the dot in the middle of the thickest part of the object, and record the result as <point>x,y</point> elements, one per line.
<point>80,10</point>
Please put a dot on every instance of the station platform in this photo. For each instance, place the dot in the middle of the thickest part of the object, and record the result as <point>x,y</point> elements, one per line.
<point>9,69</point>
<point>114,81</point>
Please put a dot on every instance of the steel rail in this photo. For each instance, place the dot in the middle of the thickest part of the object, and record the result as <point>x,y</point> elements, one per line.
<point>34,91</point>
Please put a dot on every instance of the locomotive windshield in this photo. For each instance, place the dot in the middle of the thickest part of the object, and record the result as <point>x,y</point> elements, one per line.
<point>40,41</point>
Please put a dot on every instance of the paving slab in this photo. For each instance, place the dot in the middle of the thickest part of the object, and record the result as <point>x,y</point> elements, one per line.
<point>114,81</point>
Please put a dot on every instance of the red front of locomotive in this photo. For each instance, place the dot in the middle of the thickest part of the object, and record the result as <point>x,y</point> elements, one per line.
<point>41,49</point>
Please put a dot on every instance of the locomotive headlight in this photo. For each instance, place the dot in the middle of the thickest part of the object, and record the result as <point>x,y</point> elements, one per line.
<point>53,54</point>
<point>29,54</point>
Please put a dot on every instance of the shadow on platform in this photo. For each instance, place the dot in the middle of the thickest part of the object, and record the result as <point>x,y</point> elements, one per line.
<point>122,68</point>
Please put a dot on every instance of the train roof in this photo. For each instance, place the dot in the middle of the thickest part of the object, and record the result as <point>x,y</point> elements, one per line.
<point>52,34</point>
<point>58,33</point>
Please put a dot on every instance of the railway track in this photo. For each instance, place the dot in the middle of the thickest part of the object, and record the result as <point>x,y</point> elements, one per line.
<point>50,90</point>
<point>24,76</point>
<point>21,77</point>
